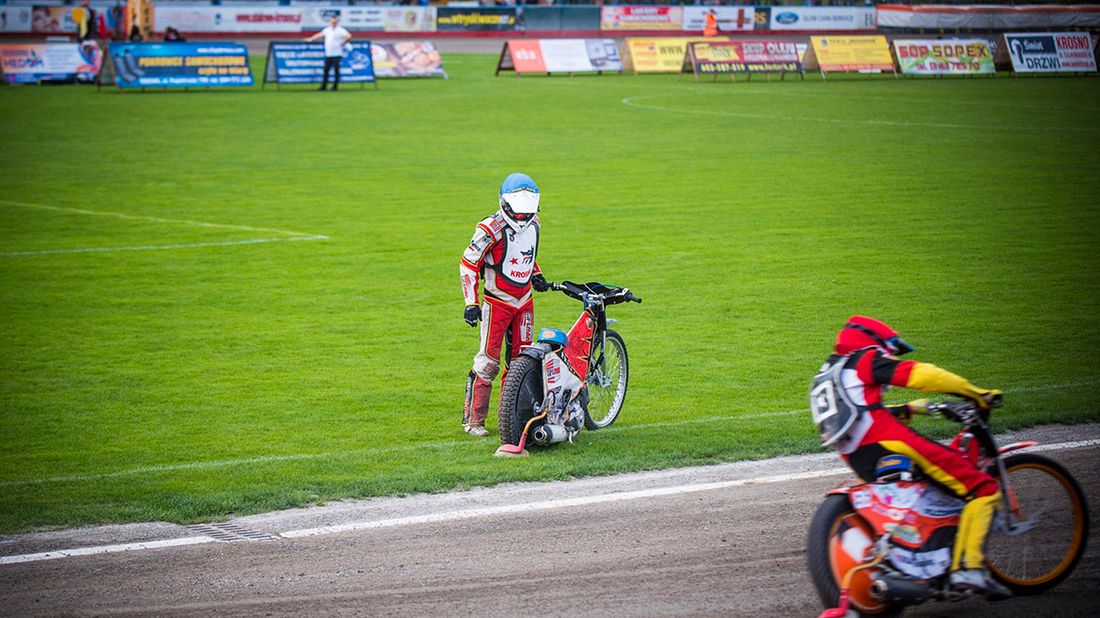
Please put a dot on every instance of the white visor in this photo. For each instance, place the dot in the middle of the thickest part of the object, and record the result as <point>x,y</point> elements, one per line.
<point>522,202</point>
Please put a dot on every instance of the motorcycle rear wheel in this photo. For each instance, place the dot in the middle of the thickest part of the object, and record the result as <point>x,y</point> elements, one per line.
<point>519,396</point>
<point>828,559</point>
<point>1038,559</point>
<point>607,380</point>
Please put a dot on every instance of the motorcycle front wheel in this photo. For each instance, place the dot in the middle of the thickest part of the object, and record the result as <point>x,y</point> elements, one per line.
<point>837,541</point>
<point>519,396</point>
<point>1037,540</point>
<point>607,380</point>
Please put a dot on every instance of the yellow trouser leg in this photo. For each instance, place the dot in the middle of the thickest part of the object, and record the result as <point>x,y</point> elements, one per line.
<point>973,527</point>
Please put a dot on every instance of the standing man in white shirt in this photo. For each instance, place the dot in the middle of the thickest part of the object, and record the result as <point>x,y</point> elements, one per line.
<point>335,38</point>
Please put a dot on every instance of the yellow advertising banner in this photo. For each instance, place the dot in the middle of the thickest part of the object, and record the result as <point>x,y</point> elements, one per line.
<point>659,55</point>
<point>848,53</point>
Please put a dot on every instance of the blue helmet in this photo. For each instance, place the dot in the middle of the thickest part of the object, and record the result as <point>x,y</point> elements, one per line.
<point>519,200</point>
<point>553,336</point>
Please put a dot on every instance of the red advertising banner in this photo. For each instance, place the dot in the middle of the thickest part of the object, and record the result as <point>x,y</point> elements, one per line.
<point>729,57</point>
<point>641,18</point>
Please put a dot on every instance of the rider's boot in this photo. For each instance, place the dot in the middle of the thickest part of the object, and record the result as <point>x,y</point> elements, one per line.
<point>476,407</point>
<point>980,581</point>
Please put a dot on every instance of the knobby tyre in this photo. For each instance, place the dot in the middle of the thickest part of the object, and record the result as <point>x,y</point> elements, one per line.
<point>827,564</point>
<point>607,380</point>
<point>1043,493</point>
<point>519,397</point>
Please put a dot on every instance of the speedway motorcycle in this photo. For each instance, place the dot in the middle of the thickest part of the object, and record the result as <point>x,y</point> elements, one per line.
<point>875,548</point>
<point>566,382</point>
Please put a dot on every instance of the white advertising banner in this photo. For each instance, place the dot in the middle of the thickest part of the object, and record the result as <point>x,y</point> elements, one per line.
<point>228,19</point>
<point>730,18</point>
<point>988,16</point>
<point>15,19</point>
<point>822,18</point>
<point>351,17</point>
<point>1050,52</point>
<point>410,19</point>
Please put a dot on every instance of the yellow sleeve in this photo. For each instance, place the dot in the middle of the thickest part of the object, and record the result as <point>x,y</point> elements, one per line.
<point>930,378</point>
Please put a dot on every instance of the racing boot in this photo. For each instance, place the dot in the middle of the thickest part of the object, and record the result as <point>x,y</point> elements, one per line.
<point>980,581</point>
<point>476,407</point>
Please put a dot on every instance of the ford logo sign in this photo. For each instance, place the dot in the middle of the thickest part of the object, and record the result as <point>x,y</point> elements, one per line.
<point>787,18</point>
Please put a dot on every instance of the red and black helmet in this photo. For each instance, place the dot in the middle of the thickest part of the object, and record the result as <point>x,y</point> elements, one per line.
<point>863,332</point>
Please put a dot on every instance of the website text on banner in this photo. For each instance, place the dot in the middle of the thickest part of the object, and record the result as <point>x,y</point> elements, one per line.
<point>731,57</point>
<point>842,54</point>
<point>180,65</point>
<point>476,19</point>
<point>730,18</point>
<point>988,17</point>
<point>1050,52</point>
<point>823,18</point>
<point>559,56</point>
<point>626,18</point>
<point>30,63</point>
<point>944,57</point>
<point>304,63</point>
<point>659,55</point>
<point>407,59</point>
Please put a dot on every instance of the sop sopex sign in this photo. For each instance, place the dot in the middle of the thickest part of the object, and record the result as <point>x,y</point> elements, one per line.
<point>1050,52</point>
<point>179,65</point>
<point>944,57</point>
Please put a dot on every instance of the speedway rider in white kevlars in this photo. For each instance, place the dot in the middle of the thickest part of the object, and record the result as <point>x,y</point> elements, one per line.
<point>502,254</point>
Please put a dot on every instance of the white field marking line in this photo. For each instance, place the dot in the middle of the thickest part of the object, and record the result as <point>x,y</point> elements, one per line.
<point>602,498</point>
<point>201,465</point>
<point>631,102</point>
<point>105,549</point>
<point>479,513</point>
<point>227,243</point>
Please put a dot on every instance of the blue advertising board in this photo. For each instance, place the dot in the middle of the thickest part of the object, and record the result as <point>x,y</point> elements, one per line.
<point>180,65</point>
<point>304,63</point>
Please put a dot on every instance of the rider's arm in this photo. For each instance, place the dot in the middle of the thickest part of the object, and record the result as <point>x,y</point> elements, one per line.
<point>473,258</point>
<point>926,377</point>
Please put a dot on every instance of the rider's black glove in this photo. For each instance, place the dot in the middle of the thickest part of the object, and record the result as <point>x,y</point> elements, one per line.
<point>540,283</point>
<point>472,314</point>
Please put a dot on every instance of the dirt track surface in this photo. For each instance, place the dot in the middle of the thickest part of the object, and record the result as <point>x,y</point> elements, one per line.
<point>731,551</point>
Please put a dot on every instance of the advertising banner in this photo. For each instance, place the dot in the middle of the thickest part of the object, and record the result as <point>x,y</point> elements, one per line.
<point>1050,52</point>
<point>30,63</point>
<point>406,59</point>
<point>848,53</point>
<point>822,18</point>
<point>559,56</point>
<point>15,18</point>
<point>53,20</point>
<point>659,55</point>
<point>944,57</point>
<point>989,16</point>
<point>755,56</point>
<point>228,19</point>
<point>730,18</point>
<point>475,19</point>
<point>304,63</point>
<point>180,65</point>
<point>642,18</point>
<point>410,19</point>
<point>353,18</point>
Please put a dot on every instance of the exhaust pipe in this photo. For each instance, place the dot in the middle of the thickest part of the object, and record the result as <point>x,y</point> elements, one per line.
<point>549,434</point>
<point>886,589</point>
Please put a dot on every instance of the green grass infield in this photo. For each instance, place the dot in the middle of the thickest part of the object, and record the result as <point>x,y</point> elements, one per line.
<point>220,303</point>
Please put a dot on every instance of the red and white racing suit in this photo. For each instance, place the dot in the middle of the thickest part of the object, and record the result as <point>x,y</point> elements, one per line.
<point>505,260</point>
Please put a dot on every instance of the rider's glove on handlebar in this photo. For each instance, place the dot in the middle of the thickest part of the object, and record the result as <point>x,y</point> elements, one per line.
<point>472,314</point>
<point>930,378</point>
<point>539,283</point>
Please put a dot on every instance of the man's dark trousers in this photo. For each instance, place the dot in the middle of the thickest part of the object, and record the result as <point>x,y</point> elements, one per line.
<point>332,62</point>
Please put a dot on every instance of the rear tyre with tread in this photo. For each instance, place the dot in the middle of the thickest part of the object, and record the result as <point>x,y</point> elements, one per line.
<point>519,396</point>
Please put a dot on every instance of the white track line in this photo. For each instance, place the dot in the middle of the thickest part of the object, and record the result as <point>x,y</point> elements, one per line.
<point>479,513</point>
<point>632,102</point>
<point>105,549</point>
<point>192,245</point>
<point>287,235</point>
<point>202,465</point>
